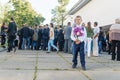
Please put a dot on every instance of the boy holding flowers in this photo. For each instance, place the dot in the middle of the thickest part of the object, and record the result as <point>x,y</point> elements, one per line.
<point>78,36</point>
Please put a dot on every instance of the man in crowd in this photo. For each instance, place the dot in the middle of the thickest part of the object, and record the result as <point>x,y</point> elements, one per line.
<point>68,41</point>
<point>114,37</point>
<point>45,37</point>
<point>60,38</point>
<point>12,29</point>
<point>26,37</point>
<point>39,46</point>
<point>35,37</point>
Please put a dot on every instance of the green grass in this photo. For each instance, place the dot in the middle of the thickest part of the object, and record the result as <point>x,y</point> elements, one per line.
<point>17,68</point>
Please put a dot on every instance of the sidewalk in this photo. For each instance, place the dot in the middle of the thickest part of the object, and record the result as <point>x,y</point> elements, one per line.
<point>37,65</point>
<point>2,49</point>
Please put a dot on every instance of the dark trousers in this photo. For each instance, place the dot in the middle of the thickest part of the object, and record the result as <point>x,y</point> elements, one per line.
<point>20,43</point>
<point>45,43</point>
<point>115,49</point>
<point>38,44</point>
<point>3,39</point>
<point>55,41</point>
<point>16,43</point>
<point>109,48</point>
<point>10,42</point>
<point>79,48</point>
<point>61,45</point>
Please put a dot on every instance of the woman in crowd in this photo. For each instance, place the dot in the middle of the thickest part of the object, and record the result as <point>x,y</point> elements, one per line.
<point>89,38</point>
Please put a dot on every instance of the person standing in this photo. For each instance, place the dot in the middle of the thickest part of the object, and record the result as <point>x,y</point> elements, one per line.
<point>12,29</point>
<point>78,35</point>
<point>108,43</point>
<point>89,38</point>
<point>51,39</point>
<point>25,32</point>
<point>68,41</point>
<point>95,40</point>
<point>56,36</point>
<point>3,34</point>
<point>114,37</point>
<point>100,40</point>
<point>45,37</point>
<point>35,37</point>
<point>60,38</point>
<point>39,38</point>
<point>31,39</point>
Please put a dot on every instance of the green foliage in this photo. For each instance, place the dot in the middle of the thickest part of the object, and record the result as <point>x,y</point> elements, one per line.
<point>59,12</point>
<point>22,12</point>
<point>1,13</point>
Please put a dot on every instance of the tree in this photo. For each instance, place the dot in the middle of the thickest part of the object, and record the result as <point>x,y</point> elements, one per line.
<point>1,12</point>
<point>59,12</point>
<point>63,2</point>
<point>23,12</point>
<point>39,19</point>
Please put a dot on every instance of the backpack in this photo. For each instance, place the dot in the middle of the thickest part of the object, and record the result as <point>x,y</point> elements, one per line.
<point>35,35</point>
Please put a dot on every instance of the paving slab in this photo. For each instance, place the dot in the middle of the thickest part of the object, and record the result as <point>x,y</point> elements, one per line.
<point>104,75</point>
<point>22,66</point>
<point>60,75</point>
<point>16,74</point>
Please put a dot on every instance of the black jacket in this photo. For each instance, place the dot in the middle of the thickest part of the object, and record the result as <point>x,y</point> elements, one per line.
<point>60,35</point>
<point>12,28</point>
<point>25,31</point>
<point>45,33</point>
<point>40,33</point>
<point>3,28</point>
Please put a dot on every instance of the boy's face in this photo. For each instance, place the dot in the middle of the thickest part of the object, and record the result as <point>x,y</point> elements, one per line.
<point>78,20</point>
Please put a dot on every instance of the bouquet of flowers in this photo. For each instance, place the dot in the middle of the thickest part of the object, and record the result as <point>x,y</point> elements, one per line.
<point>78,31</point>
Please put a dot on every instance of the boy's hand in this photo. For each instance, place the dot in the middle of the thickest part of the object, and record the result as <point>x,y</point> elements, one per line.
<point>77,41</point>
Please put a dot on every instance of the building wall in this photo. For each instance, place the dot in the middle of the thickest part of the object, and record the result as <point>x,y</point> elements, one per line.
<point>102,11</point>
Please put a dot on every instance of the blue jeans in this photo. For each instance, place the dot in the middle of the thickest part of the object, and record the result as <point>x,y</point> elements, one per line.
<point>100,46</point>
<point>50,43</point>
<point>79,48</point>
<point>26,40</point>
<point>34,44</point>
<point>72,48</point>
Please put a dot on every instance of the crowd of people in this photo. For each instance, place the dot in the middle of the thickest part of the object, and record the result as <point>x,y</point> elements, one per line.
<point>70,39</point>
<point>32,38</point>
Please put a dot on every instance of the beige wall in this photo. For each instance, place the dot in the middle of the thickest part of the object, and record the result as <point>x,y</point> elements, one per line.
<point>102,11</point>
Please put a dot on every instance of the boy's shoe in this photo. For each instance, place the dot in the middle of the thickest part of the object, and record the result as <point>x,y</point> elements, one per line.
<point>84,68</point>
<point>73,66</point>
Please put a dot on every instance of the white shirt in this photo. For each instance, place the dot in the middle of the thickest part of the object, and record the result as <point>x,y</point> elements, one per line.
<point>81,38</point>
<point>52,30</point>
<point>96,30</point>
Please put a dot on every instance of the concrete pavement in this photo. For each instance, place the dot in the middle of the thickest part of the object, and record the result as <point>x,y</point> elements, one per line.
<point>38,65</point>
